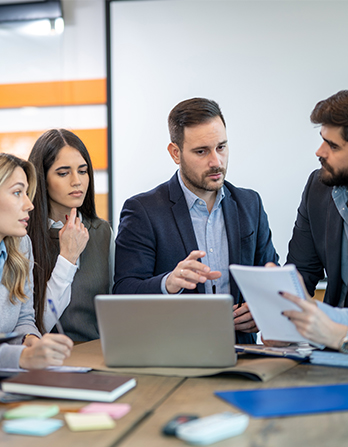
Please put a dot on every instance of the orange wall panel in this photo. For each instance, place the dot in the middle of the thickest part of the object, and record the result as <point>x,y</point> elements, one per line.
<point>21,143</point>
<point>95,141</point>
<point>55,93</point>
<point>101,204</point>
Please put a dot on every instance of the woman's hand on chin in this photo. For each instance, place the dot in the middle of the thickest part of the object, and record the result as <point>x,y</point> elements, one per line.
<point>73,238</point>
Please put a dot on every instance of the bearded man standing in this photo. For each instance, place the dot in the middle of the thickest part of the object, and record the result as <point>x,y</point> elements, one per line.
<point>320,237</point>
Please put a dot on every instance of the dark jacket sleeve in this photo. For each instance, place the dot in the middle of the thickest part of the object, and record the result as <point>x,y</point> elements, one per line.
<point>135,253</point>
<point>302,246</point>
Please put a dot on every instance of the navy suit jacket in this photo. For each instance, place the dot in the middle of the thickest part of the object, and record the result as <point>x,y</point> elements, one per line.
<point>156,233</point>
<point>316,242</point>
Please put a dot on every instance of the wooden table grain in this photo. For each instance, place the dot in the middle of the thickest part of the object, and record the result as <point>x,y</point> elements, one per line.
<point>196,396</point>
<point>157,399</point>
<point>148,395</point>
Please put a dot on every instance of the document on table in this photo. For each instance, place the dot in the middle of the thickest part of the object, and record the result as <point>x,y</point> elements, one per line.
<point>260,287</point>
<point>75,369</point>
<point>294,351</point>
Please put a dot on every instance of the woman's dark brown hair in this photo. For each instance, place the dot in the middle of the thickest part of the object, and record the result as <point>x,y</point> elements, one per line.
<point>43,155</point>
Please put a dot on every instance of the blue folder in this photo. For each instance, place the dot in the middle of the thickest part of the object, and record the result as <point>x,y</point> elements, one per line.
<point>275,402</point>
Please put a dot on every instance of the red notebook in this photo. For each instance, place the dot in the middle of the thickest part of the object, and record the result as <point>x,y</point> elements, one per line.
<point>89,386</point>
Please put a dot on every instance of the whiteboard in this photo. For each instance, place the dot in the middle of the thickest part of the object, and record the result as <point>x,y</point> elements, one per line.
<point>267,63</point>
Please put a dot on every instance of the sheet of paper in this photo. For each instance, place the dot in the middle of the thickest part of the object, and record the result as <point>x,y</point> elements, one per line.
<point>77,369</point>
<point>260,287</point>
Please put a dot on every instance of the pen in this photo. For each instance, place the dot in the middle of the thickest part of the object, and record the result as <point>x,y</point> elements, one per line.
<point>54,311</point>
<point>214,289</point>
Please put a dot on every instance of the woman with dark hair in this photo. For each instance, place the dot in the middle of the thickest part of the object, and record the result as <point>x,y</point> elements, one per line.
<point>72,246</point>
<point>17,188</point>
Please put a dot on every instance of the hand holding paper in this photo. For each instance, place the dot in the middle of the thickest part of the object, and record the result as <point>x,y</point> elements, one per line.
<point>243,320</point>
<point>260,287</point>
<point>313,323</point>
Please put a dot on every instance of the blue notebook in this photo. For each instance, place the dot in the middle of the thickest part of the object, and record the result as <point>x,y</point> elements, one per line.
<point>329,358</point>
<point>275,402</point>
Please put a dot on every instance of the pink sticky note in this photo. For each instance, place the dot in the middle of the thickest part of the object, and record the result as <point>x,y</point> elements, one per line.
<point>116,411</point>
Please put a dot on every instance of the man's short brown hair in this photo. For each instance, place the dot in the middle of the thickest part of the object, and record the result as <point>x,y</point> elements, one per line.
<point>191,112</point>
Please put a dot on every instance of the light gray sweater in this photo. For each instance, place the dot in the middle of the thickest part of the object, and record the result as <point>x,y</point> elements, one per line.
<point>19,317</point>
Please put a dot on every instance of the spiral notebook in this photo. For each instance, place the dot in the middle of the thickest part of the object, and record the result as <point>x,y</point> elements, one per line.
<point>260,288</point>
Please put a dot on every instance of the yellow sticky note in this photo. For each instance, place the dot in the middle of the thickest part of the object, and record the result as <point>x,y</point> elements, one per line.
<point>92,421</point>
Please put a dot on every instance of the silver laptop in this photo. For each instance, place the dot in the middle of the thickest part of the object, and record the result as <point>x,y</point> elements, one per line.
<point>166,331</point>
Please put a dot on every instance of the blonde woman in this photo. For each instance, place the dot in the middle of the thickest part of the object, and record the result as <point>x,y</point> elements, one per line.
<point>17,189</point>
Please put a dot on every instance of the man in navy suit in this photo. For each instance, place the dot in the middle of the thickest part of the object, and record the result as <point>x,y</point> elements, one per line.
<point>320,237</point>
<point>181,236</point>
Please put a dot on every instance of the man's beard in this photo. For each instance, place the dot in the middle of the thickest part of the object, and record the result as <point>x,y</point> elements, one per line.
<point>203,183</point>
<point>339,178</point>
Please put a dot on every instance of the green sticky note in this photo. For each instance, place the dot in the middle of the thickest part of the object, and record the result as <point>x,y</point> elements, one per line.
<point>32,411</point>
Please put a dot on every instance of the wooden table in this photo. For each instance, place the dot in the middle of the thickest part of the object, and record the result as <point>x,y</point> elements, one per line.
<point>150,392</point>
<point>196,396</point>
<point>156,399</point>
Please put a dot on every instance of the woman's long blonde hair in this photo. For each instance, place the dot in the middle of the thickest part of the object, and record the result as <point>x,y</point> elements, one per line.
<point>16,268</point>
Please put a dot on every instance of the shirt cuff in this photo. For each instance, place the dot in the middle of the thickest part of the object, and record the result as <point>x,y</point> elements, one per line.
<point>64,269</point>
<point>10,354</point>
<point>163,285</point>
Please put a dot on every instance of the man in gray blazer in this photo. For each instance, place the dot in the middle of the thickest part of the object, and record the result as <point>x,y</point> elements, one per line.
<point>181,236</point>
<point>320,237</point>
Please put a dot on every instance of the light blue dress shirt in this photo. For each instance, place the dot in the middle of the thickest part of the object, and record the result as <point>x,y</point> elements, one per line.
<point>210,232</point>
<point>337,315</point>
<point>3,256</point>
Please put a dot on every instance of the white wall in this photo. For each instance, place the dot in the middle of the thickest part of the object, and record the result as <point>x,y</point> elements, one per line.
<point>266,63</point>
